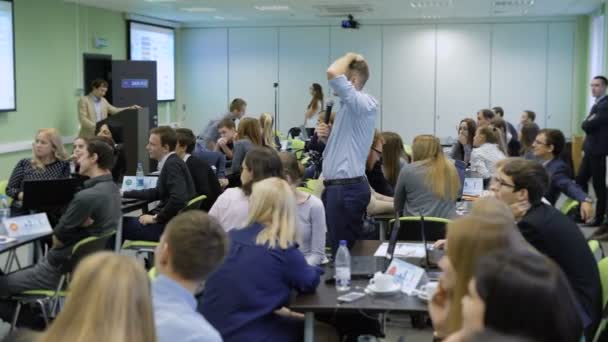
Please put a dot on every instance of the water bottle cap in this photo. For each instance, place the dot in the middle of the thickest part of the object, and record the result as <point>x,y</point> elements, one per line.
<point>342,242</point>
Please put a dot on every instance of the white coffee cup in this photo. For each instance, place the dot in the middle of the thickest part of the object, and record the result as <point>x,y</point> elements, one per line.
<point>429,289</point>
<point>382,282</point>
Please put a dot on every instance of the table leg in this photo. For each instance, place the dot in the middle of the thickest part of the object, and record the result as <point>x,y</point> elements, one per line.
<point>9,261</point>
<point>382,230</point>
<point>118,240</point>
<point>309,327</point>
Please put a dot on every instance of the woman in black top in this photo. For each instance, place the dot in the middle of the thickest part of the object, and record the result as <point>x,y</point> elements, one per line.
<point>113,130</point>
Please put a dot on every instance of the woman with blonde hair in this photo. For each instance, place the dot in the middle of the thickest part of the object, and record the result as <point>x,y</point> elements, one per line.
<point>249,135</point>
<point>489,227</point>
<point>109,300</point>
<point>49,161</point>
<point>260,271</point>
<point>393,156</point>
<point>268,136</point>
<point>487,151</point>
<point>429,185</point>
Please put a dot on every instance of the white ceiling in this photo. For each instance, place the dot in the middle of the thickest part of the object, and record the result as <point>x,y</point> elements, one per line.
<point>231,11</point>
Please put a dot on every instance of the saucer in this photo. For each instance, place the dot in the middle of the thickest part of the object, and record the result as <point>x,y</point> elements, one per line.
<point>421,294</point>
<point>371,288</point>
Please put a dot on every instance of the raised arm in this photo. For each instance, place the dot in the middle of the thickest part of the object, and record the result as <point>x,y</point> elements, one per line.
<point>341,65</point>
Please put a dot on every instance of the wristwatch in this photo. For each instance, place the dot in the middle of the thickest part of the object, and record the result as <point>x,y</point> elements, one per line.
<point>588,200</point>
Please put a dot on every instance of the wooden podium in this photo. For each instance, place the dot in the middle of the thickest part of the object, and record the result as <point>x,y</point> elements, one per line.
<point>136,130</point>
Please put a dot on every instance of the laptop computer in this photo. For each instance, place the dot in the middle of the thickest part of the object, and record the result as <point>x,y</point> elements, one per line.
<point>41,194</point>
<point>364,267</point>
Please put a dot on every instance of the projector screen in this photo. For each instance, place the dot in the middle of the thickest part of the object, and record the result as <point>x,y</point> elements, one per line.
<point>155,43</point>
<point>7,57</point>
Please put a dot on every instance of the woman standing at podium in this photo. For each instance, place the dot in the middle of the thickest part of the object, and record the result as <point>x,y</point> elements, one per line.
<point>94,108</point>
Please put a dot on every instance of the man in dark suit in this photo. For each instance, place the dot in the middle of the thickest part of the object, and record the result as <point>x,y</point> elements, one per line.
<point>521,184</point>
<point>547,147</point>
<point>205,180</point>
<point>174,188</point>
<point>595,147</point>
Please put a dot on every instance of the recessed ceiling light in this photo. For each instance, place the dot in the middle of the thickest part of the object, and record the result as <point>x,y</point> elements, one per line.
<point>272,8</point>
<point>160,0</point>
<point>431,3</point>
<point>199,9</point>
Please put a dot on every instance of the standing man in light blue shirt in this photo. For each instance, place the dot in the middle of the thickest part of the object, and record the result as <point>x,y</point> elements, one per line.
<point>192,245</point>
<point>347,191</point>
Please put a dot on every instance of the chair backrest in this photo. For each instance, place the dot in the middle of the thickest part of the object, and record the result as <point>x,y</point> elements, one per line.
<point>568,206</point>
<point>306,190</point>
<point>3,184</point>
<point>434,228</point>
<point>603,267</point>
<point>86,247</point>
<point>297,146</point>
<point>195,203</point>
<point>596,249</point>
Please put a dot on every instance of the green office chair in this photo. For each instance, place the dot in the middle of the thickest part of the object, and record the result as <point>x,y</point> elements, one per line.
<point>434,228</point>
<point>568,206</point>
<point>297,146</point>
<point>3,185</point>
<point>194,203</point>
<point>51,297</point>
<point>306,190</point>
<point>596,249</point>
<point>148,247</point>
<point>603,267</point>
<point>313,185</point>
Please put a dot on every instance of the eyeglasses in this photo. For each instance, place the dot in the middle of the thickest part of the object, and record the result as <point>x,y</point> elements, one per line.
<point>499,181</point>
<point>379,152</point>
<point>538,142</point>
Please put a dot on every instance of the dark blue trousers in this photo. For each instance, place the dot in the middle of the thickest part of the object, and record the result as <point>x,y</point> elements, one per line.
<point>345,207</point>
<point>134,231</point>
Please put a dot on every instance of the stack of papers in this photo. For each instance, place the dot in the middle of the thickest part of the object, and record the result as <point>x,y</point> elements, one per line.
<point>402,250</point>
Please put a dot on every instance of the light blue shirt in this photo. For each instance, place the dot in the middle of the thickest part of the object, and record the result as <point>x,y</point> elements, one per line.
<point>97,103</point>
<point>352,133</point>
<point>175,314</point>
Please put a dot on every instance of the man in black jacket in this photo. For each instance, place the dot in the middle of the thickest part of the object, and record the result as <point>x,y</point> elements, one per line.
<point>595,148</point>
<point>521,184</point>
<point>174,188</point>
<point>205,180</point>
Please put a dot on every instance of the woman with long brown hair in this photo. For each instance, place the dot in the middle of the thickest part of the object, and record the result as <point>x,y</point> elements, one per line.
<point>269,137</point>
<point>314,106</point>
<point>429,185</point>
<point>461,150</point>
<point>109,300</point>
<point>249,135</point>
<point>393,156</point>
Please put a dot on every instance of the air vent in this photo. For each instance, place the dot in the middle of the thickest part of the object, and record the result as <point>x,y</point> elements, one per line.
<point>513,3</point>
<point>342,10</point>
<point>431,3</point>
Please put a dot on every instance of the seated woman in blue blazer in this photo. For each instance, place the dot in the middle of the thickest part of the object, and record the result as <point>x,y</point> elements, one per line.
<point>242,298</point>
<point>547,147</point>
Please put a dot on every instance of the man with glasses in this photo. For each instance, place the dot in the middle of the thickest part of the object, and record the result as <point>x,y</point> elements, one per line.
<point>595,148</point>
<point>547,147</point>
<point>521,184</point>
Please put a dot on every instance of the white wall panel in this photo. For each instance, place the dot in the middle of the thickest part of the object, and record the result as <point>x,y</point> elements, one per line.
<point>560,74</point>
<point>408,80</point>
<point>253,60</point>
<point>519,62</point>
<point>203,66</point>
<point>366,41</point>
<point>303,60</point>
<point>463,74</point>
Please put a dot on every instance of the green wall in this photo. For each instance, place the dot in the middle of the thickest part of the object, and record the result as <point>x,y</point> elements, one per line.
<point>50,39</point>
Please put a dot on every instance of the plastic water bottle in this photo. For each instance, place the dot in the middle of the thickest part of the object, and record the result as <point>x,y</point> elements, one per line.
<point>342,264</point>
<point>5,209</point>
<point>139,177</point>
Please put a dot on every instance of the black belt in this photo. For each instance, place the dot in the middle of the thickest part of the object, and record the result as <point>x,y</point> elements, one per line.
<point>344,181</point>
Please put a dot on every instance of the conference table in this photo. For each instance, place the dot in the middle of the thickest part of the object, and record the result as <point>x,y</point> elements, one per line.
<point>11,248</point>
<point>325,297</point>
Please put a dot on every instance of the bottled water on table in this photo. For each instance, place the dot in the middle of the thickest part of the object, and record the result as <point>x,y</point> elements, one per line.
<point>5,209</point>
<point>139,177</point>
<point>342,264</point>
